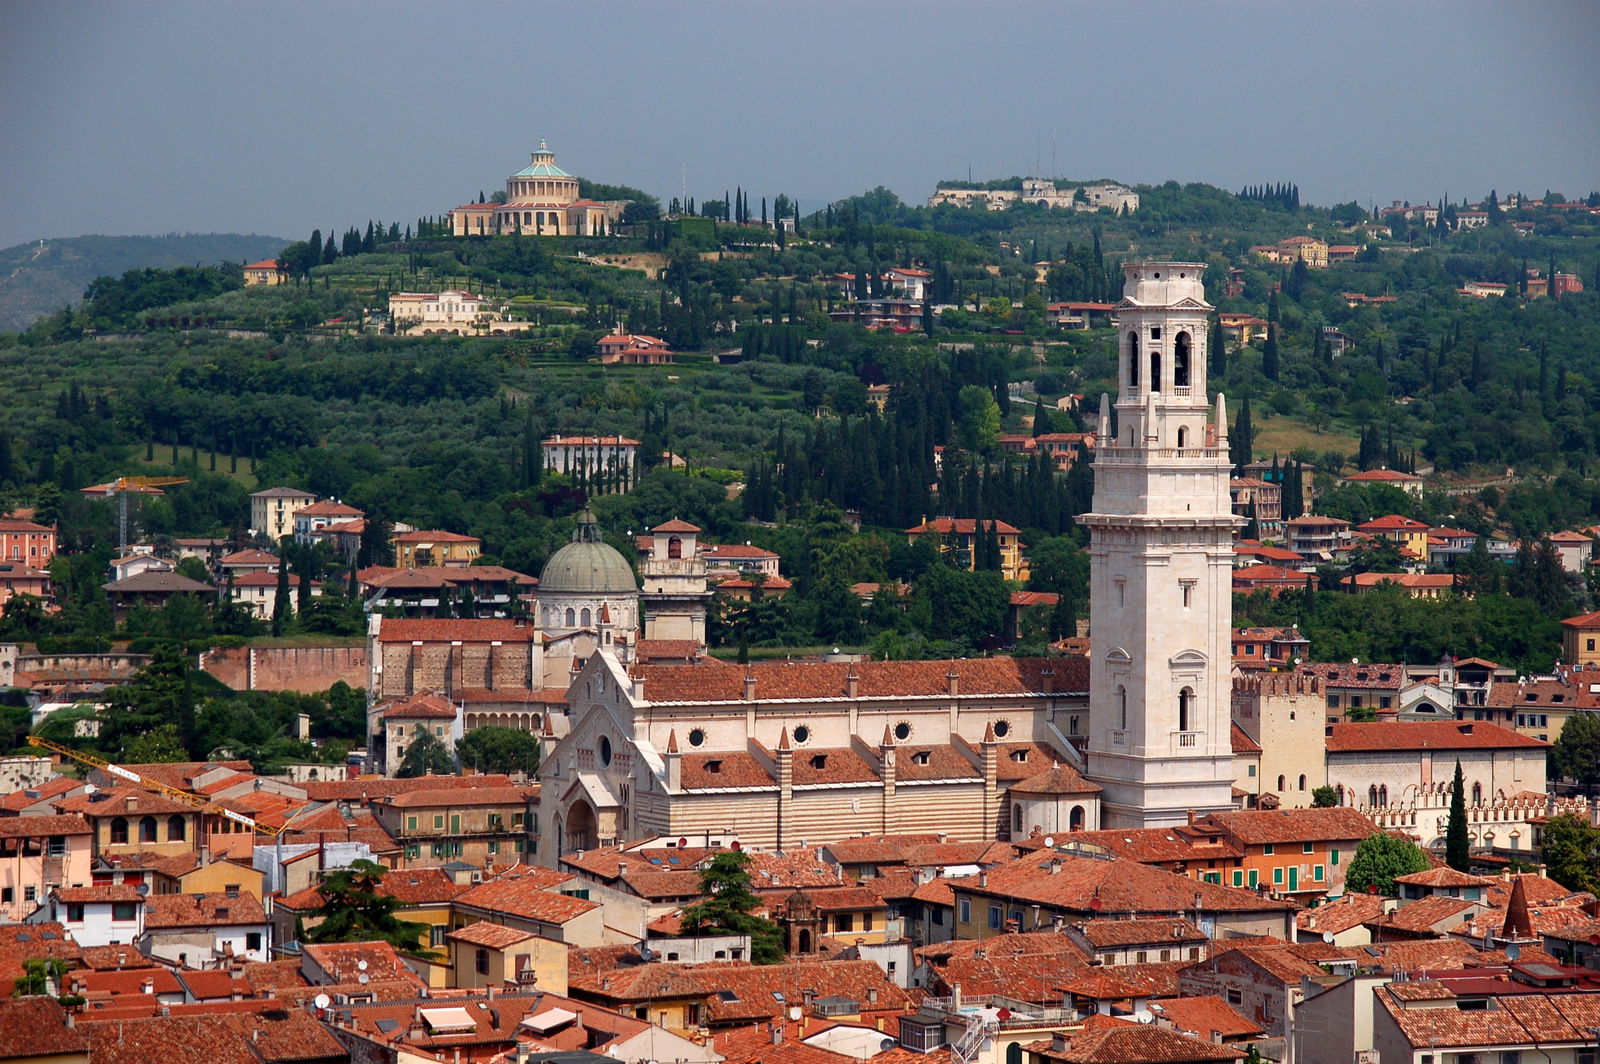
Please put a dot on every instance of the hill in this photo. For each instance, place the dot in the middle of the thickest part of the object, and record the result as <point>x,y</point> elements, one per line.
<point>45,275</point>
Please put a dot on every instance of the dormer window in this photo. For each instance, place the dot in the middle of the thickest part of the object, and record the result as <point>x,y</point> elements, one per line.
<point>819,761</point>
<point>1019,755</point>
<point>714,767</point>
<point>921,757</point>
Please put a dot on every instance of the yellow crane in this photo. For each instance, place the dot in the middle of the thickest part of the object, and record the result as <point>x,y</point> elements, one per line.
<point>200,802</point>
<point>122,486</point>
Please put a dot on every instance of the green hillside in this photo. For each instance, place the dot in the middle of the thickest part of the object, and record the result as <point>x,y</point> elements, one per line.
<point>45,275</point>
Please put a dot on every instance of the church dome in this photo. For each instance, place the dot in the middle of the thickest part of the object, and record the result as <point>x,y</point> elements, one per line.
<point>587,566</point>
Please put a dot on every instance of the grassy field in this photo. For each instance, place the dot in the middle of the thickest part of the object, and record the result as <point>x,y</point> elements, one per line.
<point>162,456</point>
<point>1283,435</point>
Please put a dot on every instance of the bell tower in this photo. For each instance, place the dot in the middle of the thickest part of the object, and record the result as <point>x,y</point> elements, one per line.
<point>1161,555</point>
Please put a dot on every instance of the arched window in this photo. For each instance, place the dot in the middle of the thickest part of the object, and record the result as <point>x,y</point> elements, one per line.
<point>674,547</point>
<point>119,829</point>
<point>1372,794</point>
<point>1075,819</point>
<point>527,217</point>
<point>1282,784</point>
<point>1183,437</point>
<point>1477,793</point>
<point>1180,360</point>
<point>1339,790</point>
<point>1014,1053</point>
<point>147,829</point>
<point>1016,821</point>
<point>572,617</point>
<point>1155,371</point>
<point>1383,795</point>
<point>1133,360</point>
<point>1185,703</point>
<point>177,828</point>
<point>584,617</point>
<point>1122,706</point>
<point>1302,781</point>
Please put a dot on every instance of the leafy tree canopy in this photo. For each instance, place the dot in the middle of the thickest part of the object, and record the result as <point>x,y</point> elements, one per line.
<point>1379,859</point>
<point>730,907</point>
<point>498,749</point>
<point>356,910</point>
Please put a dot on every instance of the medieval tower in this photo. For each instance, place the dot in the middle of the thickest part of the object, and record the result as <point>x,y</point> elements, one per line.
<point>1161,555</point>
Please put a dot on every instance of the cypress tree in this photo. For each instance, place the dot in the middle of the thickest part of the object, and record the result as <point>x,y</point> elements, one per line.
<point>1218,360</point>
<point>1269,355</point>
<point>1241,441</point>
<point>1457,849</point>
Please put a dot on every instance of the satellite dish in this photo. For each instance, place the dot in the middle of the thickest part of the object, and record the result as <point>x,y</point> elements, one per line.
<point>361,966</point>
<point>1143,1016</point>
<point>142,889</point>
<point>795,1012</point>
<point>89,788</point>
<point>887,1044</point>
<point>1050,841</point>
<point>1513,951</point>
<point>682,843</point>
<point>321,1001</point>
<point>363,978</point>
<point>1327,937</point>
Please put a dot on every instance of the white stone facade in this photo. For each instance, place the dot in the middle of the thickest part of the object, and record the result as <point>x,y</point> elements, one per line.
<point>1161,559</point>
<point>1102,195</point>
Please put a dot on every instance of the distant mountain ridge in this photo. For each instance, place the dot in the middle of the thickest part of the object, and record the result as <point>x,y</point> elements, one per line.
<point>42,276</point>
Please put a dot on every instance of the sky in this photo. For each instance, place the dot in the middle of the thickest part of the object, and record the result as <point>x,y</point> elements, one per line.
<point>277,117</point>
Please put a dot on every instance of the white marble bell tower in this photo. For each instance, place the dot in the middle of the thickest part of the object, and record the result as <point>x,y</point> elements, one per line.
<point>1161,608</point>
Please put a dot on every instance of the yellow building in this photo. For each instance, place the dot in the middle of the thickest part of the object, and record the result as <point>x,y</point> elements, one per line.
<point>1307,249</point>
<point>486,954</point>
<point>541,199</point>
<point>267,272</point>
<point>413,550</point>
<point>1580,637</point>
<point>958,537</point>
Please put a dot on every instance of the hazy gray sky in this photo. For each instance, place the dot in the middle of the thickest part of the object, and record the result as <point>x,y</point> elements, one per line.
<point>275,116</point>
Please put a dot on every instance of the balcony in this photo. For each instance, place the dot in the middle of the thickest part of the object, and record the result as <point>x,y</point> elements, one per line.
<point>1119,737</point>
<point>1186,740</point>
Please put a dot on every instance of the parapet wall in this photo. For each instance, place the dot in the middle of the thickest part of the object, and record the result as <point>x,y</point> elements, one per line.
<point>305,669</point>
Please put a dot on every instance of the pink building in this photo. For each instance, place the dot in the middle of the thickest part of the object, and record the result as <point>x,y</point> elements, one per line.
<point>38,854</point>
<point>24,541</point>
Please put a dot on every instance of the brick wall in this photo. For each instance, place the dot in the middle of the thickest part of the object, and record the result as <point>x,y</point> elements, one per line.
<point>306,669</point>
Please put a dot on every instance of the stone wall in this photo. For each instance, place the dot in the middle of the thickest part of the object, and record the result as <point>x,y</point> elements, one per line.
<point>306,669</point>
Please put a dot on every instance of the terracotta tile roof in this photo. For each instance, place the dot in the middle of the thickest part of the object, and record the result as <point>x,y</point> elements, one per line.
<point>962,525</point>
<point>104,984</point>
<point>876,679</point>
<point>1200,1016</point>
<point>1426,916</point>
<point>1255,827</point>
<point>1135,1044</point>
<point>1106,887</point>
<point>717,771</point>
<point>112,958</point>
<point>752,987</point>
<point>1376,676</point>
<point>20,942</point>
<point>675,525</point>
<point>466,629</point>
<point>1426,735</point>
<point>823,765</point>
<point>1149,845</point>
<point>647,650</point>
<point>13,827</point>
<point>520,894</point>
<point>344,961</point>
<point>493,936</point>
<point>1443,877</point>
<point>456,797</point>
<point>602,862</point>
<point>1030,973</point>
<point>91,895</point>
<point>19,800</point>
<point>1057,779</point>
<point>944,854</point>
<point>1018,761</point>
<point>215,909</point>
<point>1343,913</point>
<point>719,551</point>
<point>36,1027</point>
<point>265,976</point>
<point>215,1039</point>
<point>364,788</point>
<point>411,886</point>
<point>876,849</point>
<point>799,866</point>
<point>1242,743</point>
<point>1381,476</point>
<point>1107,934</point>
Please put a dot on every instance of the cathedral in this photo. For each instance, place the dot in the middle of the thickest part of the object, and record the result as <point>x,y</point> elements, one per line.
<point>541,199</point>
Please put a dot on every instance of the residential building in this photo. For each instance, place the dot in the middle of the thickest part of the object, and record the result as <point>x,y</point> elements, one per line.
<point>1080,315</point>
<point>479,826</point>
<point>1139,941</point>
<point>94,916</point>
<point>591,457</point>
<point>151,590</point>
<point>1317,538</point>
<point>18,578</point>
<point>423,550</point>
<point>541,199</point>
<point>134,820</point>
<point>1302,853</point>
<point>1575,549</point>
<point>1276,580</point>
<point>27,542</point>
<point>272,511</point>
<point>526,898</point>
<point>738,559</point>
<point>1580,639</point>
<point>423,896</point>
<point>1282,714</point>
<point>1244,329</point>
<point>266,272</point>
<point>1256,501</point>
<point>1158,686</point>
<point>39,854</point>
<point>485,954</point>
<point>1105,195</point>
<point>1406,482</point>
<point>258,591</point>
<point>205,930</point>
<point>452,312</point>
<point>1269,649</point>
<point>406,718</point>
<point>490,591</point>
<point>957,538</point>
<point>1414,585</point>
<point>309,520</point>
<point>1406,533</point>
<point>628,349</point>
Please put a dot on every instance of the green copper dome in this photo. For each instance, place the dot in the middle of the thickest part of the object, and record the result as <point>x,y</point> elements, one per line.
<point>543,165</point>
<point>587,566</point>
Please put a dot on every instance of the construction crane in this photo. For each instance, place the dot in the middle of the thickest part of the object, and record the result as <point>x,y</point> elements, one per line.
<point>200,802</point>
<point>122,486</point>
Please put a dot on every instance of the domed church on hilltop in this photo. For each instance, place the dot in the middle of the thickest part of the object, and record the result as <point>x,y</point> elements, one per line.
<point>541,199</point>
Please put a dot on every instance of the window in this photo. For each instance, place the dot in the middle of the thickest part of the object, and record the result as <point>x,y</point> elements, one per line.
<point>74,910</point>
<point>119,830</point>
<point>252,941</point>
<point>481,962</point>
<point>1333,701</point>
<point>124,911</point>
<point>411,823</point>
<point>147,829</point>
<point>1277,876</point>
<point>177,828</point>
<point>57,846</point>
<point>30,893</point>
<point>436,934</point>
<point>1303,787</point>
<point>1235,997</point>
<point>494,848</point>
<point>413,852</point>
<point>994,917</point>
<point>1316,873</point>
<point>1133,359</point>
<point>1282,786</point>
<point>1250,770</point>
<point>1141,957</point>
<point>1269,849</point>
<point>1306,847</point>
<point>438,821</point>
<point>966,910</point>
<point>1185,700</point>
<point>1333,857</point>
<point>844,922</point>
